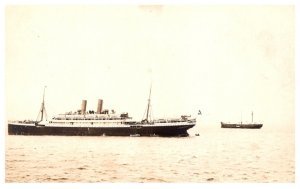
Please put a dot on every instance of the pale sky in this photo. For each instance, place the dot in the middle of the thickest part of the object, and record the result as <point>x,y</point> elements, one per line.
<point>224,60</point>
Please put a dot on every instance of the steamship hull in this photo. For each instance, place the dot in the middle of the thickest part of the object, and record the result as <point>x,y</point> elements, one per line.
<point>241,126</point>
<point>164,131</point>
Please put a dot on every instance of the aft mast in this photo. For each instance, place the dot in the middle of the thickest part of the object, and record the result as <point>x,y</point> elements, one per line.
<point>43,109</point>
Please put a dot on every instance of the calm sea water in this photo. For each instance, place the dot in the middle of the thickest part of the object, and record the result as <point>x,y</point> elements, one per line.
<point>217,155</point>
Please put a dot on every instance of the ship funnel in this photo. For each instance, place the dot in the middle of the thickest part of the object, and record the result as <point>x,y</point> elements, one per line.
<point>83,107</point>
<point>99,108</point>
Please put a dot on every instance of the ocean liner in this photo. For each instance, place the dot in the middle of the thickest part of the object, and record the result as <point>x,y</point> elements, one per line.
<point>101,123</point>
<point>242,125</point>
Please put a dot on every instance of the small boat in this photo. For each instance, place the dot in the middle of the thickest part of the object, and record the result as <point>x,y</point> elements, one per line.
<point>242,125</point>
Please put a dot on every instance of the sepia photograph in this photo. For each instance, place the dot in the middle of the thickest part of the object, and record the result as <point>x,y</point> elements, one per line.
<point>149,93</point>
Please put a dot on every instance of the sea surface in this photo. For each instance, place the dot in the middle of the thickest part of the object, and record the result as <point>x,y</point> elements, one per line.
<point>217,155</point>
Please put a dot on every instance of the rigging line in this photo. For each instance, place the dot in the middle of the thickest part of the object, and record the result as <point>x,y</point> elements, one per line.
<point>149,101</point>
<point>151,113</point>
<point>43,109</point>
<point>144,114</point>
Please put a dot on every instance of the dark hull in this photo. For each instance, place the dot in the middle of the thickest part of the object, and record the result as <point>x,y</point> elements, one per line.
<point>241,126</point>
<point>180,130</point>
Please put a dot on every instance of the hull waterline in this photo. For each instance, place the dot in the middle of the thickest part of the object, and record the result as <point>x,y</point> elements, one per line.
<point>19,129</point>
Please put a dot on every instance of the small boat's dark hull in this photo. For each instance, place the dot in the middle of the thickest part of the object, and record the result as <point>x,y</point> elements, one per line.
<point>241,126</point>
<point>19,129</point>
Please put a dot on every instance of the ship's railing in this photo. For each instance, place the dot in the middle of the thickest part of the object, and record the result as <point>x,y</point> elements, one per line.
<point>88,117</point>
<point>173,120</point>
<point>23,121</point>
<point>84,124</point>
